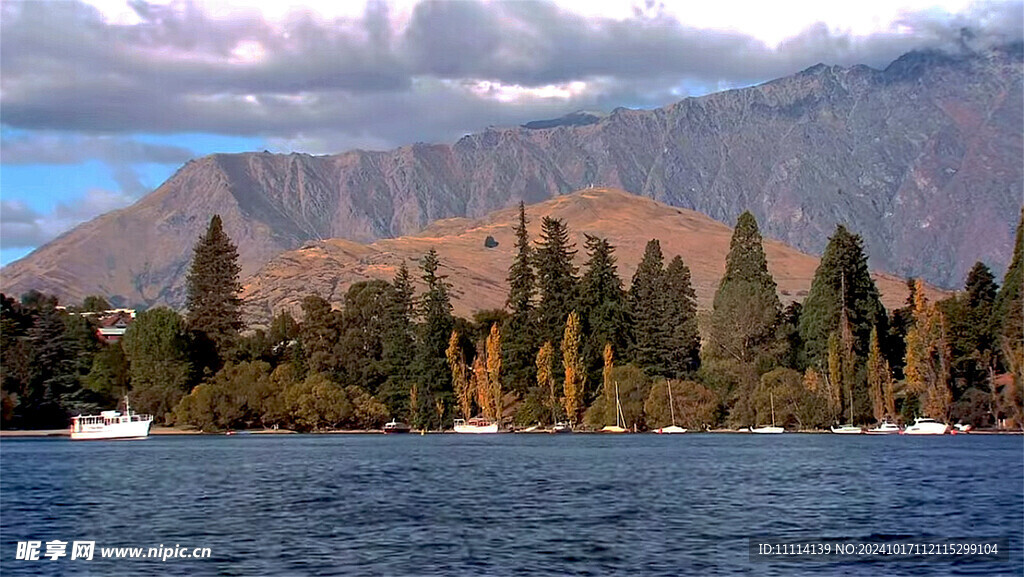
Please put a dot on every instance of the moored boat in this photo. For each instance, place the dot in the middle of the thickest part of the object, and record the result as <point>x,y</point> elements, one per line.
<point>561,427</point>
<point>884,428</point>
<point>926,426</point>
<point>847,430</point>
<point>670,430</point>
<point>394,427</point>
<point>476,425</point>
<point>111,425</point>
<point>768,430</point>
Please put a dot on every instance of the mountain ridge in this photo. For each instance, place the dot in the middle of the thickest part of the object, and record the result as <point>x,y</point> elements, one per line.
<point>893,154</point>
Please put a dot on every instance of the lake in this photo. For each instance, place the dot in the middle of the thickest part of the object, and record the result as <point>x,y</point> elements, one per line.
<point>507,504</point>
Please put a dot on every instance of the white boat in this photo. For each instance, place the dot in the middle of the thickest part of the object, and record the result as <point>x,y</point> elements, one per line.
<point>671,429</point>
<point>111,425</point>
<point>926,426</point>
<point>884,428</point>
<point>620,419</point>
<point>476,426</point>
<point>772,430</point>
<point>963,428</point>
<point>561,427</point>
<point>847,430</point>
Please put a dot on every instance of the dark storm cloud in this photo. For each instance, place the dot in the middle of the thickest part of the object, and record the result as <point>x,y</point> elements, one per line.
<point>183,71</point>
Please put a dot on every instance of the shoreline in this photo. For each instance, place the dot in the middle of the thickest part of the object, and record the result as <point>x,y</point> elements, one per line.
<point>174,431</point>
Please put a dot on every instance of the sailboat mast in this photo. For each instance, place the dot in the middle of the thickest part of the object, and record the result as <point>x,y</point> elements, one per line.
<point>618,409</point>
<point>671,405</point>
<point>771,399</point>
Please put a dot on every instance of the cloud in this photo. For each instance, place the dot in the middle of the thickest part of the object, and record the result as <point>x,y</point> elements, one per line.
<point>364,80</point>
<point>23,227</point>
<point>63,148</point>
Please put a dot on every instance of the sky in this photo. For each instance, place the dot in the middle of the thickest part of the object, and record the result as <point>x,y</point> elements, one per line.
<point>102,100</point>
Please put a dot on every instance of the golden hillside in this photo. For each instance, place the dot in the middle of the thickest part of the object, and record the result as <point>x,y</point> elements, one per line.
<point>477,273</point>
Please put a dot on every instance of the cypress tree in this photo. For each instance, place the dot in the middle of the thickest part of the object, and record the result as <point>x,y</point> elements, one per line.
<point>556,279</point>
<point>520,340</point>
<point>214,309</point>
<point>684,338</point>
<point>742,341</point>
<point>430,367</point>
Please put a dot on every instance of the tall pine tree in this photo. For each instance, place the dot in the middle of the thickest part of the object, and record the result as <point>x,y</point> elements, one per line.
<point>214,308</point>
<point>684,337</point>
<point>398,348</point>
<point>556,279</point>
<point>603,306</point>
<point>430,367</point>
<point>649,309</point>
<point>520,335</point>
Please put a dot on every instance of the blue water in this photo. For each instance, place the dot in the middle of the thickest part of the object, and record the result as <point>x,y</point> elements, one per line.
<point>506,504</point>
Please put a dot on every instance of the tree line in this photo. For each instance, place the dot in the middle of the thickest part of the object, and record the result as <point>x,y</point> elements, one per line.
<point>567,338</point>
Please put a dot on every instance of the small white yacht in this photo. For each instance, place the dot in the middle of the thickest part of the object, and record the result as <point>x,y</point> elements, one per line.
<point>926,426</point>
<point>885,428</point>
<point>772,429</point>
<point>670,430</point>
<point>847,430</point>
<point>111,425</point>
<point>476,426</point>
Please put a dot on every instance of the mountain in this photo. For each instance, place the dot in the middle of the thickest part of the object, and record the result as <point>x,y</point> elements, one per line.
<point>477,271</point>
<point>922,158</point>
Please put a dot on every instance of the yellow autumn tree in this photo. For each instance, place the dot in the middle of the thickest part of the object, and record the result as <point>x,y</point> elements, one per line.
<point>546,376</point>
<point>879,381</point>
<point>494,371</point>
<point>460,375</point>
<point>575,373</point>
<point>928,357</point>
<point>481,383</point>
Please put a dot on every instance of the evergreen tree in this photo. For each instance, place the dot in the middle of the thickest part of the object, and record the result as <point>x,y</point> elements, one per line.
<point>319,333</point>
<point>1008,312</point>
<point>360,344</point>
<point>556,279</point>
<point>603,306</point>
<point>575,375</point>
<point>842,280</point>
<point>742,338</point>
<point>520,333</point>
<point>214,308</point>
<point>649,309</point>
<point>157,347</point>
<point>880,383</point>
<point>684,337</point>
<point>430,368</point>
<point>397,346</point>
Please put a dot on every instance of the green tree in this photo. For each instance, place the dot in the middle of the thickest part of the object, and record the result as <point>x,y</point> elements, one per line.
<point>927,366</point>
<point>649,310</point>
<point>430,366</point>
<point>880,384</point>
<point>634,388</point>
<point>95,303</point>
<point>398,344</point>
<point>684,336</point>
<point>360,346</point>
<point>319,333</point>
<point>157,347</point>
<point>842,281</point>
<point>214,308</point>
<point>742,340</point>
<point>108,375</point>
<point>603,307</point>
<point>556,279</point>
<point>1008,312</point>
<point>695,406</point>
<point>520,331</point>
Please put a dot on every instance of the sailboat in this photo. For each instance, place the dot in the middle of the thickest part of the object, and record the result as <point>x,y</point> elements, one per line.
<point>620,420</point>
<point>772,430</point>
<point>672,429</point>
<point>849,428</point>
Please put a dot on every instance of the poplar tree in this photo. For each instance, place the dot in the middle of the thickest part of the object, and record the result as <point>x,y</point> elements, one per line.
<point>927,367</point>
<point>521,333</point>
<point>493,347</point>
<point>575,374</point>
<point>546,377</point>
<point>556,279</point>
<point>460,377</point>
<point>880,384</point>
<point>212,285</point>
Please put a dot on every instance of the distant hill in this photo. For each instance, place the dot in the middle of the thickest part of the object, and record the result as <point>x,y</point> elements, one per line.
<point>478,273</point>
<point>923,159</point>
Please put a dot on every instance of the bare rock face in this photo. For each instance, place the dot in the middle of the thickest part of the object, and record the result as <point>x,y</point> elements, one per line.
<point>922,159</point>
